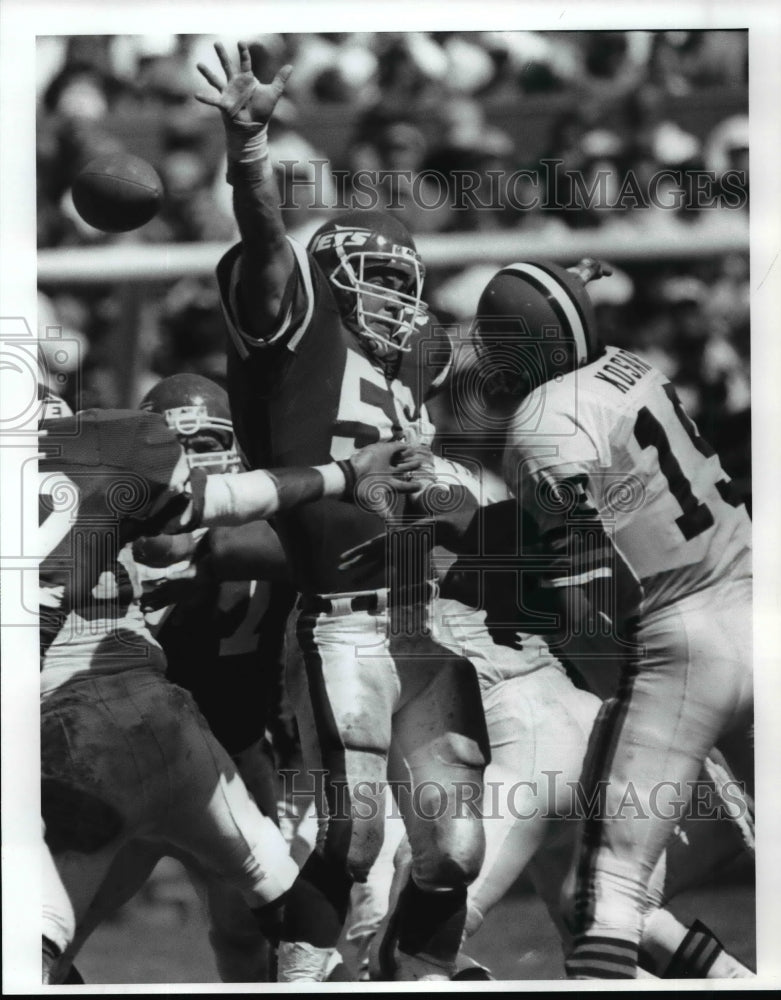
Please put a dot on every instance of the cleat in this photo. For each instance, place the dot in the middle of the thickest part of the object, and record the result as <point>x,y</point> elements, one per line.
<point>300,962</point>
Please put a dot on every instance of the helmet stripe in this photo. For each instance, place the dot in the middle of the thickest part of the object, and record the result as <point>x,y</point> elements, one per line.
<point>560,296</point>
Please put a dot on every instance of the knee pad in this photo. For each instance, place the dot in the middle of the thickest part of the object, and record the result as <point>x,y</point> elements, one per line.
<point>452,859</point>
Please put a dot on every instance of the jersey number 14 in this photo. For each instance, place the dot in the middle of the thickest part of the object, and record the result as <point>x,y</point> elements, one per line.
<point>649,433</point>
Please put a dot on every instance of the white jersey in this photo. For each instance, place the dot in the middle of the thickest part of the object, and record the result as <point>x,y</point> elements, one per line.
<point>463,629</point>
<point>616,436</point>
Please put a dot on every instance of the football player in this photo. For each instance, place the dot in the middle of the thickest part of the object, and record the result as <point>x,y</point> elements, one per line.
<point>224,639</point>
<point>219,608</point>
<point>655,572</point>
<point>124,753</point>
<point>331,347</point>
<point>539,723</point>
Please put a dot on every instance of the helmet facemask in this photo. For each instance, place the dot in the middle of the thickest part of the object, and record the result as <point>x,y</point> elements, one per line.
<point>193,423</point>
<point>351,279</point>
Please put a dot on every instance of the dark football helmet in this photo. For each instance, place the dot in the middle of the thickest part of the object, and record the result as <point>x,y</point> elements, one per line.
<point>52,407</point>
<point>534,322</point>
<point>197,410</point>
<point>359,246</point>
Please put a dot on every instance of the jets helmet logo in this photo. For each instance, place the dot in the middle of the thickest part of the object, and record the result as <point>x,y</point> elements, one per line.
<point>341,237</point>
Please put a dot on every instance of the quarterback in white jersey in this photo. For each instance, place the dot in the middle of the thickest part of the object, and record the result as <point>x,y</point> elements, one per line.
<point>538,725</point>
<point>655,568</point>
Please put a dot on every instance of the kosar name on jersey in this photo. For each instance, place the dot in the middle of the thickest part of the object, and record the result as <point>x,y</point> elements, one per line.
<point>613,436</point>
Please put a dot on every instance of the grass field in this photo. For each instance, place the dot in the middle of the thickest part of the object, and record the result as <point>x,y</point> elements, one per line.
<point>160,936</point>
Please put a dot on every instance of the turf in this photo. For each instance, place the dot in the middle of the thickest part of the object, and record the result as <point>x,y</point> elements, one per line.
<point>160,936</point>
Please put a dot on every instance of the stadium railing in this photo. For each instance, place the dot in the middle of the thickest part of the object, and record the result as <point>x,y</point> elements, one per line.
<point>130,265</point>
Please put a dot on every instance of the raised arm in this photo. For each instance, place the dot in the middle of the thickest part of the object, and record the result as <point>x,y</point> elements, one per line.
<point>267,260</point>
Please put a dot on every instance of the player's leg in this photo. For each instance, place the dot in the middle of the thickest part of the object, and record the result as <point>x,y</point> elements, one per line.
<point>91,792</point>
<point>132,865</point>
<point>700,850</point>
<point>697,852</point>
<point>343,689</point>
<point>211,814</point>
<point>59,921</point>
<point>242,952</point>
<point>233,693</point>
<point>369,900</point>
<point>692,685</point>
<point>440,732</point>
<point>538,726</point>
<point>127,755</point>
<point>669,949</point>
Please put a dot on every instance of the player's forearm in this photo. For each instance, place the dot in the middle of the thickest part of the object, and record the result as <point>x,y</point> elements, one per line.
<point>256,206</point>
<point>267,258</point>
<point>251,496</point>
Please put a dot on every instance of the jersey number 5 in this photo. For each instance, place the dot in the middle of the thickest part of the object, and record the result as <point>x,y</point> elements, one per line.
<point>649,433</point>
<point>369,411</point>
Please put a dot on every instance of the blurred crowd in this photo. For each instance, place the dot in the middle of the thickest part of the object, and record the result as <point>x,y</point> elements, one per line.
<point>426,109</point>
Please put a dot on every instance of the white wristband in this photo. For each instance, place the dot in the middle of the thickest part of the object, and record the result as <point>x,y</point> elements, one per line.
<point>247,142</point>
<point>333,479</point>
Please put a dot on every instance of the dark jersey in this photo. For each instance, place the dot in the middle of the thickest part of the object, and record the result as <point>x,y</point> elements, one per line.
<point>499,568</point>
<point>106,477</point>
<point>308,394</point>
<point>227,650</point>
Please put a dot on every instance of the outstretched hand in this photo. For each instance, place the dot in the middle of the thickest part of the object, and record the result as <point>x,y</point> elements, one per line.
<point>241,96</point>
<point>393,462</point>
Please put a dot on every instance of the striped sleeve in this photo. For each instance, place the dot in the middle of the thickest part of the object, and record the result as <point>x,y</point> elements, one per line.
<point>583,549</point>
<point>571,530</point>
<point>295,314</point>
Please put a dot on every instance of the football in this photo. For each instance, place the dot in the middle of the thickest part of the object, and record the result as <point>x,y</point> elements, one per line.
<point>117,193</point>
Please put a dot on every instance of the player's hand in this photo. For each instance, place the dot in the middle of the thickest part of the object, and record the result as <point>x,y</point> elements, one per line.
<point>241,96</point>
<point>371,554</point>
<point>589,269</point>
<point>392,462</point>
<point>425,473</point>
<point>193,585</point>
